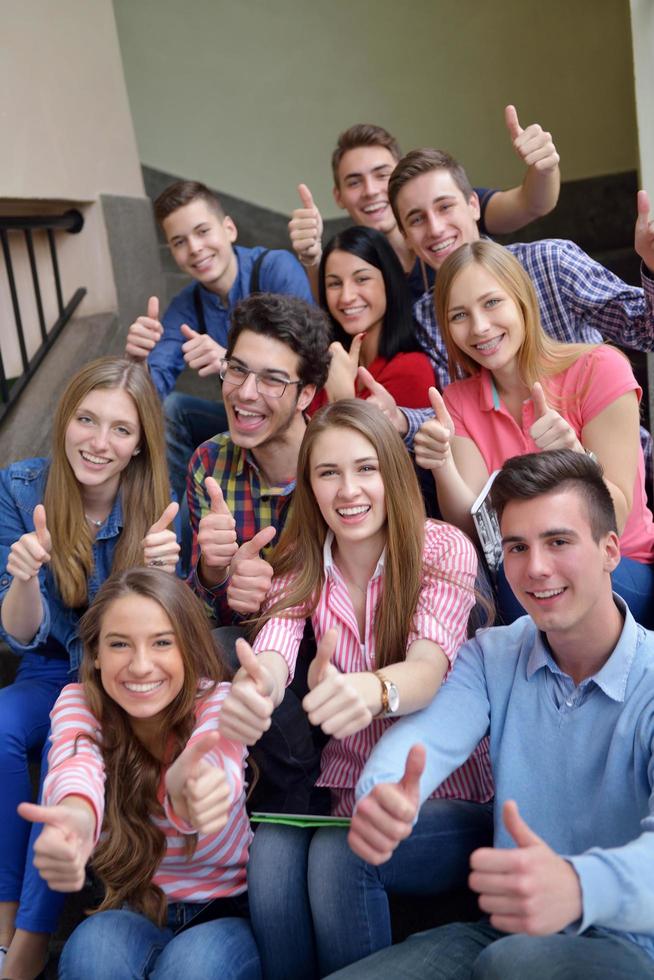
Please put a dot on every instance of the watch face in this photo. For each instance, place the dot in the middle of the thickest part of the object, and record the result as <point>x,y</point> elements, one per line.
<point>393,697</point>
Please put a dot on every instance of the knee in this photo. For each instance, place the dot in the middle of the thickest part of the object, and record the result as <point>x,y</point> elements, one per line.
<point>333,865</point>
<point>14,726</point>
<point>278,863</point>
<point>507,958</point>
<point>105,946</point>
<point>225,949</point>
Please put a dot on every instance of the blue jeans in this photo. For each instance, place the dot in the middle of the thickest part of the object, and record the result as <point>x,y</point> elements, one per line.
<point>124,945</point>
<point>632,580</point>
<point>476,951</point>
<point>190,421</point>
<point>315,906</point>
<point>24,725</point>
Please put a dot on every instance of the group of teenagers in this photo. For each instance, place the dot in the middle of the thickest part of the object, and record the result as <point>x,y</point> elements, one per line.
<point>270,602</point>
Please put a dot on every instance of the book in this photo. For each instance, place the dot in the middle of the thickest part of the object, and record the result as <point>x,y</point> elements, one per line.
<point>301,819</point>
<point>487,526</point>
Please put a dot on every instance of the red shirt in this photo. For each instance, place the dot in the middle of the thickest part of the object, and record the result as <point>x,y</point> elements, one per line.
<point>407,377</point>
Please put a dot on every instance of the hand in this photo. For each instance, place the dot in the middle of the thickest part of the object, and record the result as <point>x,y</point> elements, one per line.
<point>200,352</point>
<point>337,702</point>
<point>433,442</point>
<point>145,333</point>
<point>383,400</point>
<point>305,229</point>
<point>533,145</point>
<point>216,536</point>
<point>64,845</point>
<point>385,817</point>
<point>245,714</point>
<point>249,575</point>
<point>160,547</point>
<point>199,791</point>
<point>644,236</point>
<point>32,550</point>
<point>525,889</point>
<point>550,430</point>
<point>343,369</point>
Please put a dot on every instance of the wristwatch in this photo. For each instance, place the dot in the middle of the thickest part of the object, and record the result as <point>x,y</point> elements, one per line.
<point>390,703</point>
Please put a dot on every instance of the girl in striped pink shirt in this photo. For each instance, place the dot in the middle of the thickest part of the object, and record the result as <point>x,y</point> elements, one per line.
<point>140,778</point>
<point>389,594</point>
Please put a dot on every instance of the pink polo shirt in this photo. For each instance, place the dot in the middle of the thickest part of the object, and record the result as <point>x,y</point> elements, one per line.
<point>579,394</point>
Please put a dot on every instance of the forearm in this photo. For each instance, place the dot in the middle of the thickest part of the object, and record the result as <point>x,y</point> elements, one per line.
<point>536,196</point>
<point>211,576</point>
<point>419,677</point>
<point>278,670</point>
<point>22,610</point>
<point>455,497</point>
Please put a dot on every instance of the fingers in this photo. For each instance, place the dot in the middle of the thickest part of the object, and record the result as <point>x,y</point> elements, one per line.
<point>166,518</point>
<point>323,657</point>
<point>145,333</point>
<point>189,333</point>
<point>27,555</point>
<point>217,500</point>
<point>511,120</point>
<point>208,799</point>
<point>249,584</point>
<point>248,661</point>
<point>381,820</point>
<point>355,347</point>
<point>251,548</point>
<point>52,815</point>
<point>305,196</point>
<point>194,753</point>
<point>160,546</point>
<point>540,402</point>
<point>366,379</point>
<point>201,352</point>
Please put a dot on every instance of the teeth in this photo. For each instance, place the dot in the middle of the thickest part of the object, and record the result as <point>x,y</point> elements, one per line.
<point>488,344</point>
<point>90,458</point>
<point>353,511</point>
<point>353,310</point>
<point>548,593</point>
<point>442,246</point>
<point>143,688</point>
<point>371,208</point>
<point>250,415</point>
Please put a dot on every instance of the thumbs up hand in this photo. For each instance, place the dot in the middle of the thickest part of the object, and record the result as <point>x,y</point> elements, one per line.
<point>343,368</point>
<point>249,574</point>
<point>534,146</point>
<point>201,352</point>
<point>305,229</point>
<point>433,442</point>
<point>340,703</point>
<point>145,333</point>
<point>386,816</point>
<point>32,550</point>
<point>198,790</point>
<point>644,235</point>
<point>160,547</point>
<point>216,537</point>
<point>64,845</point>
<point>246,711</point>
<point>528,888</point>
<point>383,400</point>
<point>550,430</point>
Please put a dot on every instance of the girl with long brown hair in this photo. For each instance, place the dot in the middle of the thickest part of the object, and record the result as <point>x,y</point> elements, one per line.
<point>100,502</point>
<point>388,594</point>
<point>521,392</point>
<point>140,779</point>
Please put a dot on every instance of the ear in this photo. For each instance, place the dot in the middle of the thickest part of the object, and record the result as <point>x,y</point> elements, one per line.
<point>306,397</point>
<point>473,203</point>
<point>136,451</point>
<point>337,197</point>
<point>611,551</point>
<point>230,228</point>
<point>96,663</point>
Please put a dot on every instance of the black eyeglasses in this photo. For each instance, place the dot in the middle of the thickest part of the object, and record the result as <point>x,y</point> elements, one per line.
<point>267,384</point>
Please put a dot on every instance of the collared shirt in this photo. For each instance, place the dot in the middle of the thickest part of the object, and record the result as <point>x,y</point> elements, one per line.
<point>280,273</point>
<point>252,503</point>
<point>578,759</point>
<point>441,615</point>
<point>22,486</point>
<point>579,301</point>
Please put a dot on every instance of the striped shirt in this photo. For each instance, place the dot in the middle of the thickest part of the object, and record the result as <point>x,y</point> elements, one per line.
<point>252,503</point>
<point>217,868</point>
<point>441,615</point>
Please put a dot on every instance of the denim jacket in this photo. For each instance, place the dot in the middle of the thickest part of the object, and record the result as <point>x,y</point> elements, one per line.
<point>21,488</point>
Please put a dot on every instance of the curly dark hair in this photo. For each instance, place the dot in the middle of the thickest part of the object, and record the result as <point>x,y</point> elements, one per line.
<point>298,324</point>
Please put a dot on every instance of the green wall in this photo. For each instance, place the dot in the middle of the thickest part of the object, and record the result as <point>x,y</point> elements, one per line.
<point>249,95</point>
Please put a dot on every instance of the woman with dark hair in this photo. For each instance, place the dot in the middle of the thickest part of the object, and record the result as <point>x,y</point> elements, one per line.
<point>363,288</point>
<point>141,782</point>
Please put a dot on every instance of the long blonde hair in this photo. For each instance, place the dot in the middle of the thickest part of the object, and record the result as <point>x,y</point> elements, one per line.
<point>300,549</point>
<point>539,356</point>
<point>144,484</point>
<point>132,846</point>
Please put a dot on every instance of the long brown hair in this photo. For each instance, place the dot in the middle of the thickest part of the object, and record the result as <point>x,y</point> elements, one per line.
<point>300,549</point>
<point>144,485</point>
<point>132,846</point>
<point>539,355</point>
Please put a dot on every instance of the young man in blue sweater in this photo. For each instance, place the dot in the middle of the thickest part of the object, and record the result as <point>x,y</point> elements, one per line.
<point>566,696</point>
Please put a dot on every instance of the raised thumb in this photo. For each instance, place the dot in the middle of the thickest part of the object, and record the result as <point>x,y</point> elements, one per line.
<point>216,498</point>
<point>539,400</point>
<point>440,409</point>
<point>260,540</point>
<point>324,654</point>
<point>520,831</point>
<point>54,816</point>
<point>642,202</point>
<point>511,120</point>
<point>166,518</point>
<point>413,770</point>
<point>153,308</point>
<point>41,527</point>
<point>188,332</point>
<point>305,196</point>
<point>194,753</point>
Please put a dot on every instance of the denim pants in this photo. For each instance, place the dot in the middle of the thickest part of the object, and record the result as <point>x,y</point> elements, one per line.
<point>316,907</point>
<point>24,725</point>
<point>123,945</point>
<point>476,951</point>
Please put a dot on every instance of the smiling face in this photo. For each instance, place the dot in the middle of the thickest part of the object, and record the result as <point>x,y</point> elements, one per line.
<point>347,484</point>
<point>140,662</point>
<point>101,438</point>
<point>484,320</point>
<point>255,419</point>
<point>362,190</point>
<point>200,241</point>
<point>435,216</point>
<point>356,294</point>
<point>557,571</point>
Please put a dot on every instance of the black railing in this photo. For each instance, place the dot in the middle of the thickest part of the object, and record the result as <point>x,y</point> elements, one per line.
<point>73,222</point>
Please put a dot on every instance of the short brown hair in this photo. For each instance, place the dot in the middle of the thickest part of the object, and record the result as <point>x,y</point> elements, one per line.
<point>183,192</point>
<point>423,161</point>
<point>363,134</point>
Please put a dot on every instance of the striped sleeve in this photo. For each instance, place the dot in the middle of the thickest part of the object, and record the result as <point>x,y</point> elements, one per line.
<point>448,588</point>
<point>75,764</point>
<point>283,634</point>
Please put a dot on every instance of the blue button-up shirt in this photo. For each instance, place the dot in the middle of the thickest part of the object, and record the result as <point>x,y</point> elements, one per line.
<point>578,759</point>
<point>21,488</point>
<point>280,272</point>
